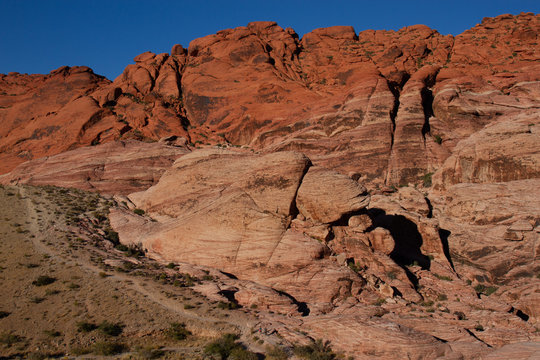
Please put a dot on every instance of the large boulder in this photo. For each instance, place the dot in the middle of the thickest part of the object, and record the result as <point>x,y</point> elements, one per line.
<point>325,196</point>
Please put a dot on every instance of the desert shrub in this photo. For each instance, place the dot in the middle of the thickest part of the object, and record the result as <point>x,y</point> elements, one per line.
<point>380,301</point>
<point>139,211</point>
<point>426,178</point>
<point>135,251</point>
<point>227,305</point>
<point>442,297</point>
<point>189,280</point>
<point>52,333</point>
<point>178,331</point>
<point>486,290</point>
<point>80,350</point>
<point>84,326</point>
<point>37,299</point>
<point>438,139</point>
<point>239,353</point>
<point>442,277</point>
<point>460,315</point>
<point>108,348</point>
<point>149,352</point>
<point>43,280</point>
<point>276,353</point>
<point>352,265</point>
<point>9,339</point>
<point>4,314</point>
<point>479,328</point>
<point>110,329</point>
<point>222,347</point>
<point>318,350</point>
<point>121,247</point>
<point>112,236</point>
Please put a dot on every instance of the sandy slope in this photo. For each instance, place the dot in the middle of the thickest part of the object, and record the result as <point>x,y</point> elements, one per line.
<point>35,240</point>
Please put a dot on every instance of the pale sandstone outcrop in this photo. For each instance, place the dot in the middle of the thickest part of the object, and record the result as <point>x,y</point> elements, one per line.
<point>233,211</point>
<point>318,198</point>
<point>503,151</point>
<point>119,167</point>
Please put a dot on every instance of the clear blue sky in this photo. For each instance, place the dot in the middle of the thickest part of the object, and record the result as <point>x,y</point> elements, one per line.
<point>41,35</point>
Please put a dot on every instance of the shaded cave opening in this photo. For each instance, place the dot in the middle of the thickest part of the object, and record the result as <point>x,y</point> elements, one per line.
<point>407,238</point>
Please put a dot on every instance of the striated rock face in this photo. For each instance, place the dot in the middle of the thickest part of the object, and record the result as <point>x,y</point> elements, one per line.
<point>318,199</point>
<point>233,211</point>
<point>503,151</point>
<point>352,273</point>
<point>119,167</point>
<point>47,114</point>
<point>389,105</point>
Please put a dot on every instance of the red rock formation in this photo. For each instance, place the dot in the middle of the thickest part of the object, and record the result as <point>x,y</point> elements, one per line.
<point>389,105</point>
<point>446,274</point>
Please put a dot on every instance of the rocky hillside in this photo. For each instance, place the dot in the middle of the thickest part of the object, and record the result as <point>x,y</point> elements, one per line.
<point>346,187</point>
<point>391,105</point>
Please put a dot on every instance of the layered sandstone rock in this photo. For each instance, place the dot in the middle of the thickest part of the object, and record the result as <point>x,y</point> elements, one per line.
<point>119,167</point>
<point>389,105</point>
<point>233,211</point>
<point>503,151</point>
<point>319,200</point>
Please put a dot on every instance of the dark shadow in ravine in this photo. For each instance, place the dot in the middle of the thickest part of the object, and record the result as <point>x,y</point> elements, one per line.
<point>407,238</point>
<point>444,234</point>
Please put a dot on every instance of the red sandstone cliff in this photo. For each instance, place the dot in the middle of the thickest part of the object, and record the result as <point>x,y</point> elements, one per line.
<point>390,105</point>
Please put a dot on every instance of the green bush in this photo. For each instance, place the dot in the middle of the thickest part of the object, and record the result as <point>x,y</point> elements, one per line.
<point>178,331</point>
<point>149,352</point>
<point>108,348</point>
<point>276,353</point>
<point>318,350</point>
<point>9,339</point>
<point>110,329</point>
<point>442,297</point>
<point>426,178</point>
<point>223,347</point>
<point>227,305</point>
<point>84,326</point>
<point>112,236</point>
<point>460,315</point>
<point>43,280</point>
<point>52,333</point>
<point>139,211</point>
<point>486,290</point>
<point>442,277</point>
<point>240,353</point>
